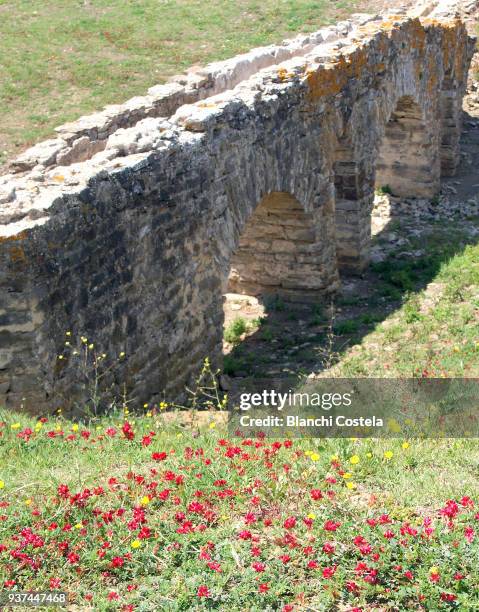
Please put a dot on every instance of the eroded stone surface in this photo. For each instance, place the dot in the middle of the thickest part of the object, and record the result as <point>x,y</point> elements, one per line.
<point>133,244</point>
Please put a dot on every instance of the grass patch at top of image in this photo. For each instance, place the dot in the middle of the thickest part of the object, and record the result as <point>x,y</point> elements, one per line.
<point>63,58</point>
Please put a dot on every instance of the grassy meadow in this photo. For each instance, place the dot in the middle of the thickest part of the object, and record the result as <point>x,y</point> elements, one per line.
<point>153,513</point>
<point>60,59</point>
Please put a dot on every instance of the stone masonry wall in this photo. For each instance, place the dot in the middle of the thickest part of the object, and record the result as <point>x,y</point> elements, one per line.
<point>133,246</point>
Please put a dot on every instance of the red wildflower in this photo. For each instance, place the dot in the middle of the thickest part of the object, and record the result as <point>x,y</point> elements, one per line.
<point>117,562</point>
<point>159,456</point>
<point>331,526</point>
<point>214,565</point>
<point>203,591</point>
<point>328,548</point>
<point>258,566</point>
<point>289,523</point>
<point>448,596</point>
<point>73,558</point>
<point>328,572</point>
<point>127,430</point>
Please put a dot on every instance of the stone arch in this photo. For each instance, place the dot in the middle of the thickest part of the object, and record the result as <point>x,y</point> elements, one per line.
<point>408,159</point>
<point>279,250</point>
<point>388,140</point>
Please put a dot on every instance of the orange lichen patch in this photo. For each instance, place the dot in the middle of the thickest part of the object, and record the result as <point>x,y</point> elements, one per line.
<point>452,41</point>
<point>19,236</point>
<point>418,36</point>
<point>207,104</point>
<point>17,254</point>
<point>326,80</point>
<point>59,178</point>
<point>329,79</point>
<point>440,23</point>
<point>284,75</point>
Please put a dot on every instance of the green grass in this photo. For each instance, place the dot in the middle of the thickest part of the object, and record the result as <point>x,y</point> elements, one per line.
<point>431,334</point>
<point>408,481</point>
<point>63,58</point>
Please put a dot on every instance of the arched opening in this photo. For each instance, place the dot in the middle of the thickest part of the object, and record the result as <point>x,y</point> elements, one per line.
<point>280,252</point>
<point>282,267</point>
<point>408,163</point>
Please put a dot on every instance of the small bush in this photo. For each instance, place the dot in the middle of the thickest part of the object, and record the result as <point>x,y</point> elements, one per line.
<point>346,327</point>
<point>384,189</point>
<point>235,330</point>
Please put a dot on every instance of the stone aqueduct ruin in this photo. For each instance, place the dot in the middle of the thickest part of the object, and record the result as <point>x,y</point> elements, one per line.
<point>260,170</point>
